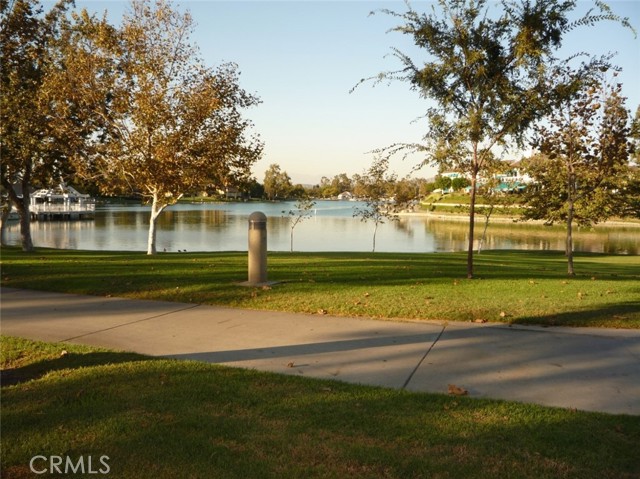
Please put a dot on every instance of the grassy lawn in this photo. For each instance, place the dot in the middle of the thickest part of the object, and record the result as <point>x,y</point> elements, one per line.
<point>511,286</point>
<point>457,203</point>
<point>180,419</point>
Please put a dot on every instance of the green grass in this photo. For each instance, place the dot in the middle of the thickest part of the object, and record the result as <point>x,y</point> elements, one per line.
<point>180,419</point>
<point>511,286</point>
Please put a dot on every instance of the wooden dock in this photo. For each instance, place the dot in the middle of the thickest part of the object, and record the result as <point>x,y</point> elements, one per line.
<point>62,212</point>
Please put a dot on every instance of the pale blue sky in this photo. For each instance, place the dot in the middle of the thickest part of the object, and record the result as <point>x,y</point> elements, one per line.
<point>303,57</point>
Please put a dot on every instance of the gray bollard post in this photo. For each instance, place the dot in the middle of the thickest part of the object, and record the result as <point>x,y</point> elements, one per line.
<point>257,248</point>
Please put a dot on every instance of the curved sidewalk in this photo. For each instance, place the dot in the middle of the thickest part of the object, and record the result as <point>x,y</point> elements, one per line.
<point>587,369</point>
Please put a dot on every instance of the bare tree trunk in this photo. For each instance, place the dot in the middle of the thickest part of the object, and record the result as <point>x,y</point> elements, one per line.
<point>375,230</point>
<point>484,232</point>
<point>6,211</point>
<point>155,212</point>
<point>472,212</point>
<point>291,249</point>
<point>22,205</point>
<point>569,242</point>
<point>25,224</point>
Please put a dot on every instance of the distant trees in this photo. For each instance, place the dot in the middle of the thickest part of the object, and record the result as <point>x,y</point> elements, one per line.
<point>332,187</point>
<point>442,183</point>
<point>277,184</point>
<point>459,183</point>
<point>583,165</point>
<point>486,70</point>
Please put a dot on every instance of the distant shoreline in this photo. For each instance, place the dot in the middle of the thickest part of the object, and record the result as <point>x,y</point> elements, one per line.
<point>631,223</point>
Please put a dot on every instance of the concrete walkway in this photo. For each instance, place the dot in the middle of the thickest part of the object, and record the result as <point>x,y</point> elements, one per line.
<point>587,369</point>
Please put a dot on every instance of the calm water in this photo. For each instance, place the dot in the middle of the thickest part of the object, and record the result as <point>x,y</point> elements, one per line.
<point>223,227</point>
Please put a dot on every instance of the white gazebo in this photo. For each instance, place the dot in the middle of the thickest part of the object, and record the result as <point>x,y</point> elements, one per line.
<point>61,203</point>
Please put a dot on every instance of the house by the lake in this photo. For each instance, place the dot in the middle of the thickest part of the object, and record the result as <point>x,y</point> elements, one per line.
<point>61,203</point>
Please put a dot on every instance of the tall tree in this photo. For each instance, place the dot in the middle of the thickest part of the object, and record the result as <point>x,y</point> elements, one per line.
<point>485,71</point>
<point>171,125</point>
<point>277,183</point>
<point>31,147</point>
<point>635,137</point>
<point>583,161</point>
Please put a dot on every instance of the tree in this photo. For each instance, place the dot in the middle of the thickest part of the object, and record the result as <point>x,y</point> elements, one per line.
<point>256,189</point>
<point>277,183</point>
<point>376,184</point>
<point>341,183</point>
<point>493,200</point>
<point>583,160</point>
<point>459,183</point>
<point>628,194</point>
<point>443,183</point>
<point>302,210</point>
<point>405,191</point>
<point>171,125</point>
<point>486,72</point>
<point>634,134</point>
<point>32,149</point>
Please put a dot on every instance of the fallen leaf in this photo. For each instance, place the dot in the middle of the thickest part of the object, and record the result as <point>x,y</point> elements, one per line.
<point>457,391</point>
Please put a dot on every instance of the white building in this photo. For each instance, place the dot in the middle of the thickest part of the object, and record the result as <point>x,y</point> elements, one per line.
<point>61,203</point>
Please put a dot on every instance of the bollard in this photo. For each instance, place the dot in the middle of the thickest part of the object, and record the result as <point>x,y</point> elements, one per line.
<point>257,248</point>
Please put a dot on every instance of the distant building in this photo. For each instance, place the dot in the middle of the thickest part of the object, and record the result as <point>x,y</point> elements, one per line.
<point>61,203</point>
<point>514,178</point>
<point>345,196</point>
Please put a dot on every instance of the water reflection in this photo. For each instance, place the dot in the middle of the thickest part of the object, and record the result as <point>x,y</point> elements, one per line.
<point>223,227</point>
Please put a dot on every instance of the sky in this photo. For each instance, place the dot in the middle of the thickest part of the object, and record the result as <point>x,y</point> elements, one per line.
<point>303,59</point>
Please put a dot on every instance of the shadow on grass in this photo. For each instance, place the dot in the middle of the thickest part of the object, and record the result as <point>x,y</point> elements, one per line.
<point>120,273</point>
<point>71,360</point>
<point>585,317</point>
<point>183,420</point>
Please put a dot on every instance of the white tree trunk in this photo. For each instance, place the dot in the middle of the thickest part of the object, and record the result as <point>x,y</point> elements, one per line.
<point>156,209</point>
<point>375,231</point>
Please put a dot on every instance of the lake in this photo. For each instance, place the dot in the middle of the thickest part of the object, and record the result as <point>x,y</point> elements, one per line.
<point>223,227</point>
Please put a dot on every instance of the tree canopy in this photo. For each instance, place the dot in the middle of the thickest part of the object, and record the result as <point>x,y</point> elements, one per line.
<point>277,183</point>
<point>485,70</point>
<point>34,151</point>
<point>169,125</point>
<point>377,187</point>
<point>583,162</point>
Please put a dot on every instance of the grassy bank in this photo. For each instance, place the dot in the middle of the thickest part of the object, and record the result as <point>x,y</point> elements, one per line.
<point>180,419</point>
<point>511,286</point>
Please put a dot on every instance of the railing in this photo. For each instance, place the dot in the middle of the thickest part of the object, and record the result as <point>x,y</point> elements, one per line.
<point>62,208</point>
